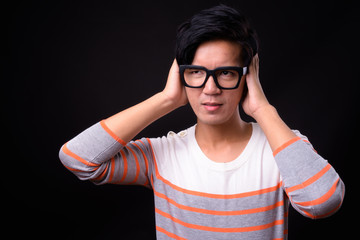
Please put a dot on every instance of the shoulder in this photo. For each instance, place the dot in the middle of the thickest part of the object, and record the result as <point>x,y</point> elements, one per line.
<point>173,140</point>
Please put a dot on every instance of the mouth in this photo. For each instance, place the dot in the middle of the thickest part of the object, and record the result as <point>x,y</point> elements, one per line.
<point>211,106</point>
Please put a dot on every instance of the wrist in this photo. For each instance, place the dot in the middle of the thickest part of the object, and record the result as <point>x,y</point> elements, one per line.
<point>265,112</point>
<point>275,129</point>
<point>169,101</point>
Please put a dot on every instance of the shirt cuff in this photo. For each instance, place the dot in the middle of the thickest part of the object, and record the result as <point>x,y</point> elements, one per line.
<point>285,145</point>
<point>111,133</point>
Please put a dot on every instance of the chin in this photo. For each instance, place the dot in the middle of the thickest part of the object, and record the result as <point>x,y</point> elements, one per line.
<point>221,116</point>
<point>213,120</point>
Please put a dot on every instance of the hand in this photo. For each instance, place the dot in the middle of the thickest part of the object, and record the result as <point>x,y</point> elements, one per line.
<point>174,89</point>
<point>255,100</point>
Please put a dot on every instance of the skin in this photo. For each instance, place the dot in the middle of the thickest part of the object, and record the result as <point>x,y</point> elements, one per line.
<point>220,132</point>
<point>217,110</point>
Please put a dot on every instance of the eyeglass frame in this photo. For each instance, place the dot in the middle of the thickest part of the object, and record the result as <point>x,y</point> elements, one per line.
<point>241,71</point>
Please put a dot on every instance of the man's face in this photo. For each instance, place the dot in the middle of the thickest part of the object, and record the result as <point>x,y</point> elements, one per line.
<point>212,105</point>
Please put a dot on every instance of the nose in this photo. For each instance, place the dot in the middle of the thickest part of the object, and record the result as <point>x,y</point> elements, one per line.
<point>210,87</point>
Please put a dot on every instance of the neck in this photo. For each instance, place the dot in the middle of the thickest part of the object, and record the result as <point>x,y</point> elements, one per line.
<point>216,135</point>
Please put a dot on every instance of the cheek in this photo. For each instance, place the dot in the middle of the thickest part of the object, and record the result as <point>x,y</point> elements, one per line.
<point>233,101</point>
<point>234,96</point>
<point>193,95</point>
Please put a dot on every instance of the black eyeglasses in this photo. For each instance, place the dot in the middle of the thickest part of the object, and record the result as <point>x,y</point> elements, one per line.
<point>225,77</point>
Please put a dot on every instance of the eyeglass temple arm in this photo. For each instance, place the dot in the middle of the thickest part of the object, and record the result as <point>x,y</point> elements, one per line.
<point>245,70</point>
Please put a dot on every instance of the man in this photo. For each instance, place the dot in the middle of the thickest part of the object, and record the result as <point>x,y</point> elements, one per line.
<point>223,178</point>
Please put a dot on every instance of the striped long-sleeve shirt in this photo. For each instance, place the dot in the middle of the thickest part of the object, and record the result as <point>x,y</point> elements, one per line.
<point>196,198</point>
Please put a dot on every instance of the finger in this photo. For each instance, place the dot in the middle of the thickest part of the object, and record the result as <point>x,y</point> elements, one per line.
<point>174,66</point>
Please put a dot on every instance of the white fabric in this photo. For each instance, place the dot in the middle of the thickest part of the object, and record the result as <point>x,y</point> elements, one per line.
<point>181,161</point>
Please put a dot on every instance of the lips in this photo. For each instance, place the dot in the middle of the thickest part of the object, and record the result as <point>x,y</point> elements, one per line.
<point>211,106</point>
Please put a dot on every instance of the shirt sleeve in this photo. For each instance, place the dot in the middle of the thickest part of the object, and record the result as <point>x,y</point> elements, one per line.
<point>311,183</point>
<point>98,155</point>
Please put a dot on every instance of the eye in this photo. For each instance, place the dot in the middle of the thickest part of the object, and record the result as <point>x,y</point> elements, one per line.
<point>195,72</point>
<point>226,73</point>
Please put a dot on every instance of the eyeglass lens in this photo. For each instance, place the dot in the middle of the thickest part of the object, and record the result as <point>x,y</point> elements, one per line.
<point>225,78</point>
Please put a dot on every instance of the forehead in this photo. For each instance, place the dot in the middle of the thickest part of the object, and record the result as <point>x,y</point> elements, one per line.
<point>218,53</point>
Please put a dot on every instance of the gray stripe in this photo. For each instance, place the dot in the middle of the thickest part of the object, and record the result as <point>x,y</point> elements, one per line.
<point>221,221</point>
<point>190,233</point>
<point>241,203</point>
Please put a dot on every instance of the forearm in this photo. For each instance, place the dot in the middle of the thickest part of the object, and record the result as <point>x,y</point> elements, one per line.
<point>275,129</point>
<point>312,184</point>
<point>128,123</point>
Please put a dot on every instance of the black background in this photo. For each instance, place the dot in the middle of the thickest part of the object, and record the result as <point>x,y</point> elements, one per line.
<point>68,65</point>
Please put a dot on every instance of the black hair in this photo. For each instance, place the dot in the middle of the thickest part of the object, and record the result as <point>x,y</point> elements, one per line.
<point>219,22</point>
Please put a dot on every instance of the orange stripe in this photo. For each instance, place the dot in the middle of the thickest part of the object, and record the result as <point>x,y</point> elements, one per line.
<point>328,213</point>
<point>73,155</point>
<point>215,212</point>
<point>102,174</point>
<point>125,166</point>
<point>325,214</point>
<point>288,143</point>
<point>146,163</point>
<point>152,181</point>
<point>211,195</point>
<point>137,166</point>
<point>217,229</point>
<point>321,199</point>
<point>144,156</point>
<point>111,133</point>
<point>310,180</point>
<point>309,214</point>
<point>112,169</point>
<point>169,234</point>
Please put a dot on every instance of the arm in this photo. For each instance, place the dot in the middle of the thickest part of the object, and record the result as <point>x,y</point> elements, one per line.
<point>257,106</point>
<point>103,153</point>
<point>311,183</point>
<point>130,122</point>
<point>96,154</point>
<point>313,186</point>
